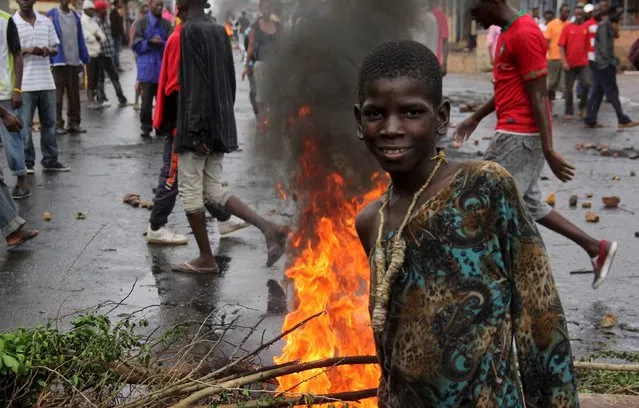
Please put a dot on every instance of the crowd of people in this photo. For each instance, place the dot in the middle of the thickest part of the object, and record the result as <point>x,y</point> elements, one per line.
<point>580,51</point>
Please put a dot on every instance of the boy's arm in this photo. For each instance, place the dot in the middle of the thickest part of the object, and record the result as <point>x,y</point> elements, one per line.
<point>533,67</point>
<point>466,128</point>
<point>539,323</point>
<point>563,39</point>
<point>366,226</point>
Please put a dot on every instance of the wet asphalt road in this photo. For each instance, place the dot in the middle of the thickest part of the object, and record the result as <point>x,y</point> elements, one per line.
<point>76,264</point>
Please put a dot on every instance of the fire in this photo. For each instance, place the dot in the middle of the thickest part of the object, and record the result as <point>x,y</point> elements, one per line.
<point>281,191</point>
<point>331,273</point>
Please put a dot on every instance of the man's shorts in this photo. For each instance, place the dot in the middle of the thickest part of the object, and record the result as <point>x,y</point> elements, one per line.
<point>523,157</point>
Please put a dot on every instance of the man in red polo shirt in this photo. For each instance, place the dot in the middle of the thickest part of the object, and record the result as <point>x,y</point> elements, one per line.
<point>573,44</point>
<point>442,38</point>
<point>523,139</point>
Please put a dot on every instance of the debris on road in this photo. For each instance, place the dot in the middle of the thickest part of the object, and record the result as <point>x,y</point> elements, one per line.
<point>632,173</point>
<point>608,321</point>
<point>637,234</point>
<point>592,217</point>
<point>80,216</point>
<point>133,199</point>
<point>47,216</point>
<point>611,202</point>
<point>146,204</point>
<point>573,200</point>
<point>476,142</point>
<point>551,200</point>
<point>588,195</point>
<point>616,178</point>
<point>586,204</point>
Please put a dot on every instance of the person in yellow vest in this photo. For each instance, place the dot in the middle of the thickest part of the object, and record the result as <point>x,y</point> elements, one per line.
<point>11,100</point>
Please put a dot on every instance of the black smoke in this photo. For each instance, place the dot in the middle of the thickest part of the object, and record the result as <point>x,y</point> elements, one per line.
<point>316,66</point>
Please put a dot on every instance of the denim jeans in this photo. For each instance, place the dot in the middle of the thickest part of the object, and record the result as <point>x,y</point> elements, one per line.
<point>13,145</point>
<point>604,81</point>
<point>117,44</point>
<point>10,222</point>
<point>45,102</point>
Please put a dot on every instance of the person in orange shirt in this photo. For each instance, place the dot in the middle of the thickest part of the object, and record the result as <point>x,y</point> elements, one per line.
<point>555,67</point>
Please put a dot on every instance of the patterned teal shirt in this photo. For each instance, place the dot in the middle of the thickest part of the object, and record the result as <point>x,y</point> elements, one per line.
<point>475,319</point>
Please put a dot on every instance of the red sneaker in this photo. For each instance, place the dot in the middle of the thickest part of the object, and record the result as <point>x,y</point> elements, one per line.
<point>603,261</point>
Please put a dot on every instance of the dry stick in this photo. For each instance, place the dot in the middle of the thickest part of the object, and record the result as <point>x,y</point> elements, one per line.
<point>267,375</point>
<point>193,386</point>
<point>585,365</point>
<point>305,399</point>
<point>262,347</point>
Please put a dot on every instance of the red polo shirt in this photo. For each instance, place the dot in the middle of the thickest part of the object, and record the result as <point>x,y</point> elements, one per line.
<point>574,40</point>
<point>520,57</point>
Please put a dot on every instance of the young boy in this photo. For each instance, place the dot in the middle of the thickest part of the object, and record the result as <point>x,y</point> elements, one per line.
<point>523,140</point>
<point>458,268</point>
<point>206,130</point>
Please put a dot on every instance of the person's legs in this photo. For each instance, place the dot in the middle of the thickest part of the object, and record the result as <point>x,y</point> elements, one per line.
<point>584,88</point>
<point>146,110</point>
<point>73,95</point>
<point>101,94</point>
<point>26,112</point>
<point>60,79</point>
<point>167,191</point>
<point>253,92</point>
<point>215,192</point>
<point>595,98</point>
<point>554,75</point>
<point>10,221</point>
<point>48,142</point>
<point>609,83</point>
<point>523,157</point>
<point>569,77</point>
<point>117,44</point>
<point>14,150</point>
<point>191,170</point>
<point>110,69</point>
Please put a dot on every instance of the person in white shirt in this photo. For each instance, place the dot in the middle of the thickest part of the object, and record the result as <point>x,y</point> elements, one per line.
<point>93,36</point>
<point>39,41</point>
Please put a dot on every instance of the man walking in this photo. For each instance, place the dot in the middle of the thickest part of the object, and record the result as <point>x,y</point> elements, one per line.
<point>151,33</point>
<point>523,140</point>
<point>11,99</point>
<point>39,42</point>
<point>93,36</point>
<point>205,131</point>
<point>555,68</point>
<point>604,72</point>
<point>573,45</point>
<point>106,58</point>
<point>67,64</point>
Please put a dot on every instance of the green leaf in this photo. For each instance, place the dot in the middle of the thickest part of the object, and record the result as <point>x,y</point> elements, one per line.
<point>10,362</point>
<point>75,380</point>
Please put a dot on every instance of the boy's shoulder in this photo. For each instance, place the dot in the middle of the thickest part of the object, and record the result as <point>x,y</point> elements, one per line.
<point>366,224</point>
<point>489,172</point>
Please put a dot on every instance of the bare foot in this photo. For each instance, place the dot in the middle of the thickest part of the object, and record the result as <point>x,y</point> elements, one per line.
<point>276,243</point>
<point>198,265</point>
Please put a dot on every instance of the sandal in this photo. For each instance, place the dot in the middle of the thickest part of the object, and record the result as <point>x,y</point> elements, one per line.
<point>28,235</point>
<point>188,268</point>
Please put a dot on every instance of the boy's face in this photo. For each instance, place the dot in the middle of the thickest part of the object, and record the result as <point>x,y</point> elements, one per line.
<point>399,124</point>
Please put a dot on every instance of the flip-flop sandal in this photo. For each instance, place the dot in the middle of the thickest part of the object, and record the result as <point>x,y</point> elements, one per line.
<point>275,252</point>
<point>188,268</point>
<point>26,237</point>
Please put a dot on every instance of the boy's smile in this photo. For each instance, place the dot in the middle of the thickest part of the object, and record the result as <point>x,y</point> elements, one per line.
<point>398,123</point>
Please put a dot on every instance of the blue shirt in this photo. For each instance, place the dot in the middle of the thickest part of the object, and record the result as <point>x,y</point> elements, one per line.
<point>149,59</point>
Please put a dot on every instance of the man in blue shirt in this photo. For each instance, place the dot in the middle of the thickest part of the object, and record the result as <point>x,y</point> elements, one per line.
<point>67,64</point>
<point>151,33</point>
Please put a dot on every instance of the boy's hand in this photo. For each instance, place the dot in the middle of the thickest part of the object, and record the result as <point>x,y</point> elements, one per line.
<point>16,100</point>
<point>11,122</point>
<point>463,131</point>
<point>39,51</point>
<point>561,168</point>
<point>244,73</point>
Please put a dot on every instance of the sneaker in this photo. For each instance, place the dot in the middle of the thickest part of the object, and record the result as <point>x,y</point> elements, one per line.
<point>231,225</point>
<point>56,167</point>
<point>123,103</point>
<point>60,132</point>
<point>628,125</point>
<point>106,104</point>
<point>136,106</point>
<point>76,129</point>
<point>595,126</point>
<point>165,237</point>
<point>94,105</point>
<point>20,192</point>
<point>602,262</point>
<point>30,170</point>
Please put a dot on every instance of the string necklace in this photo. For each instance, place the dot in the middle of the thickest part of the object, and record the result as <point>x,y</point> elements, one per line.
<point>385,275</point>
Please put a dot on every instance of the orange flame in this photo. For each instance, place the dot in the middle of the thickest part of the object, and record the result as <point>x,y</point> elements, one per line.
<point>281,191</point>
<point>330,274</point>
<point>304,111</point>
